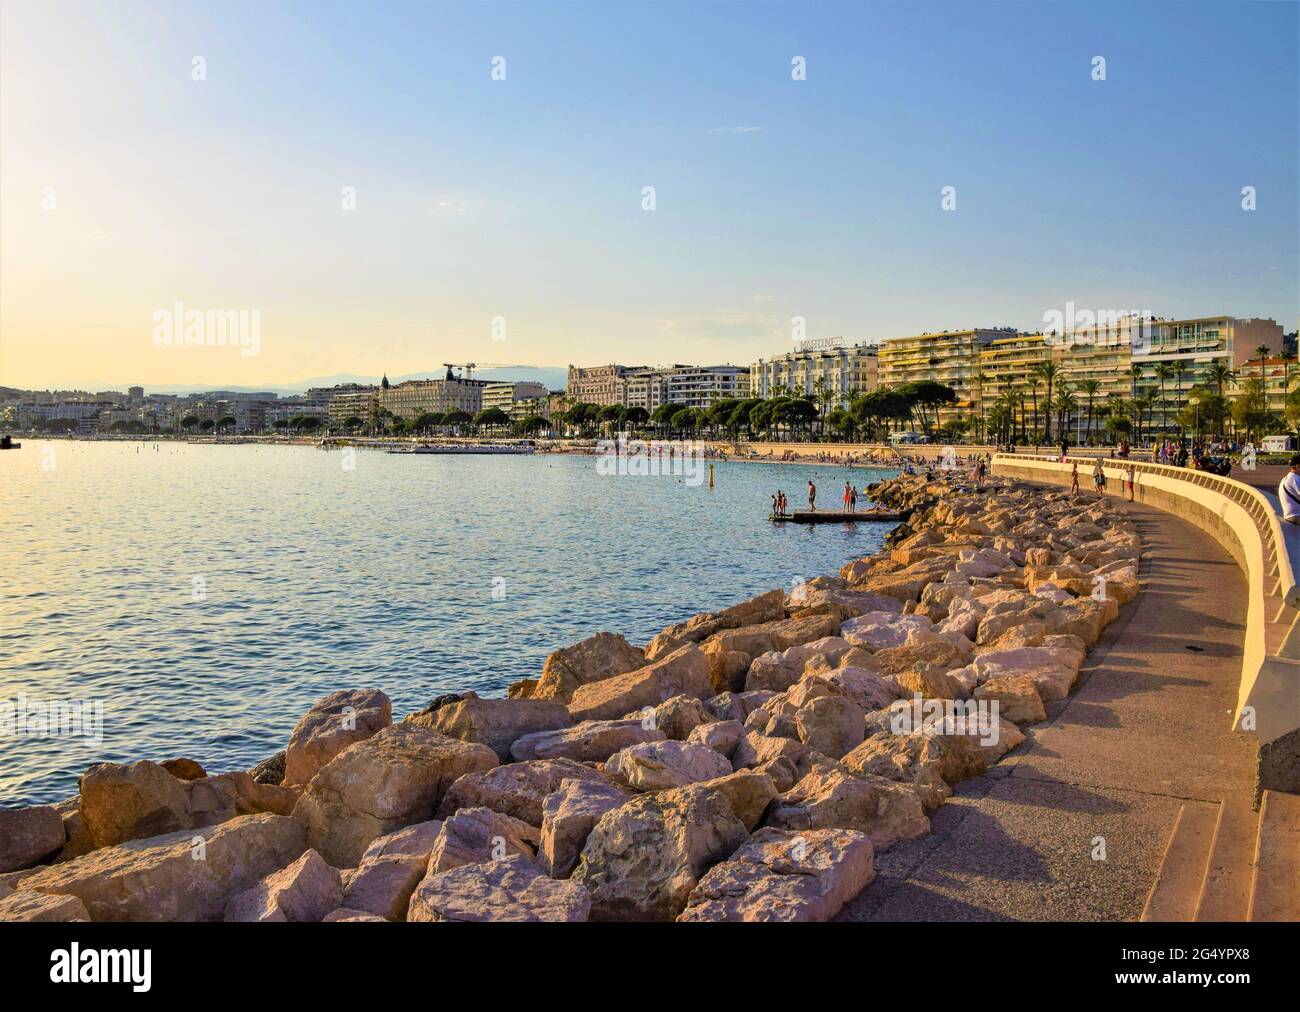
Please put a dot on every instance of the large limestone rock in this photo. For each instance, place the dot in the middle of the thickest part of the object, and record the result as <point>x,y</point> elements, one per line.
<point>832,796</point>
<point>511,889</point>
<point>785,876</point>
<point>330,726</point>
<point>517,789</point>
<point>185,876</point>
<point>568,816</point>
<point>778,670</point>
<point>877,630</point>
<point>392,779</point>
<point>908,759</point>
<point>1052,677</point>
<point>684,671</point>
<point>643,859</point>
<point>497,723</point>
<point>765,608</point>
<point>590,741</point>
<point>720,735</point>
<point>33,907</point>
<point>306,890</point>
<point>595,658</point>
<point>29,836</point>
<point>389,871</point>
<point>1017,696</point>
<point>120,803</point>
<point>1084,617</point>
<point>832,725</point>
<point>756,749</point>
<point>832,596</point>
<point>660,765</point>
<point>676,717</point>
<point>475,835</point>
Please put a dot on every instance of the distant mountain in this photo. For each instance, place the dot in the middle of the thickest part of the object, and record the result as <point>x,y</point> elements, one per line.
<point>552,377</point>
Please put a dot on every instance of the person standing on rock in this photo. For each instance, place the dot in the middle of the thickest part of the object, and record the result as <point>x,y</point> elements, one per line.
<point>812,496</point>
<point>1074,478</point>
<point>1132,479</point>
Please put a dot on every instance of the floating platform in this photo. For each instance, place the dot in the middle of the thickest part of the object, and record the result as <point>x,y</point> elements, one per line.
<point>836,517</point>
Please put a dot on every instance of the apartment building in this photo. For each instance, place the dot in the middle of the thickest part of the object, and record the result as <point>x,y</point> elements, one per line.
<point>601,384</point>
<point>950,357</point>
<point>518,400</point>
<point>844,371</point>
<point>415,397</point>
<point>353,404</point>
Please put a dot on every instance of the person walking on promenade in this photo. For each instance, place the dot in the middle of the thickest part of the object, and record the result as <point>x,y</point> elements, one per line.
<point>1132,478</point>
<point>812,496</point>
<point>1074,478</point>
<point>1288,491</point>
<point>1065,448</point>
<point>1099,477</point>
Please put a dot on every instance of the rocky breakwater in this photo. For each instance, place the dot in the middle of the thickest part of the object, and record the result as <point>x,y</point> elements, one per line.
<point>747,764</point>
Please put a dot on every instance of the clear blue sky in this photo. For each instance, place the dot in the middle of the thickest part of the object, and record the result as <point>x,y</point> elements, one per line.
<point>522,198</point>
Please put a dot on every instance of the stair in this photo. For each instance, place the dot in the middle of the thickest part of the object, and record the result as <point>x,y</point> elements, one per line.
<point>1222,863</point>
<point>1275,884</point>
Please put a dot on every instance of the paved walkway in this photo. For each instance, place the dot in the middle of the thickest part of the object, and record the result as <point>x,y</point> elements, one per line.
<point>1147,727</point>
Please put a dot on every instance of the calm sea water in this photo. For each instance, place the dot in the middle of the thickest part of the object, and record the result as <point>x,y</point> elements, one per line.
<point>314,578</point>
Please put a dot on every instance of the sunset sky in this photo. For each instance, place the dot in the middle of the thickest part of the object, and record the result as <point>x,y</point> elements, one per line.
<point>522,198</point>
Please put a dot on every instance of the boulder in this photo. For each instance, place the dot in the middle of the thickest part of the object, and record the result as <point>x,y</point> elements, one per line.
<point>767,607</point>
<point>474,835</point>
<point>720,735</point>
<point>184,769</point>
<point>392,779</point>
<point>120,803</point>
<point>330,726</point>
<point>778,670</point>
<point>1017,696</point>
<point>511,889</point>
<point>659,765</point>
<point>755,749</point>
<point>675,717</point>
<point>590,741</point>
<point>596,658</point>
<point>306,890</point>
<point>348,914</point>
<point>29,906</point>
<point>270,770</point>
<point>877,630</point>
<point>1084,617</point>
<point>832,796</point>
<point>29,836</point>
<point>684,671</point>
<point>185,876</point>
<point>832,725</point>
<point>517,789</point>
<point>642,859</point>
<point>916,760</point>
<point>785,876</point>
<point>496,723</point>
<point>568,816</point>
<point>389,871</point>
<point>862,685</point>
<point>1052,677</point>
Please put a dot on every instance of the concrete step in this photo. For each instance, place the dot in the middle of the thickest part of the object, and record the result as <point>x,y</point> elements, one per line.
<point>1177,887</point>
<point>1275,884</point>
<point>1225,892</point>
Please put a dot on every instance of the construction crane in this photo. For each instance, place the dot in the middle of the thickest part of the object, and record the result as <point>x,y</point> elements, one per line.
<point>469,367</point>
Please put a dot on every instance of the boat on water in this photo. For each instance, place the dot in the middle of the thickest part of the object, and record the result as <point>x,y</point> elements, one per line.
<point>7,443</point>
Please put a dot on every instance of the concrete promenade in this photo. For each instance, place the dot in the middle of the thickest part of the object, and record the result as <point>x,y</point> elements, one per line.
<point>1147,727</point>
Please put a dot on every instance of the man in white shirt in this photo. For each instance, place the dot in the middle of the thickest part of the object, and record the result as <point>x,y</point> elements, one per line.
<point>1288,492</point>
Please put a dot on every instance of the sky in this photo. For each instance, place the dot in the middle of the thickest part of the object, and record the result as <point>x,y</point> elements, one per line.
<point>504,221</point>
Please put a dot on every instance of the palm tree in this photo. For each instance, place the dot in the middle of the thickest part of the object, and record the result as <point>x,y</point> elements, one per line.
<point>1220,375</point>
<point>1046,371</point>
<point>1090,388</point>
<point>1163,372</point>
<point>1180,367</point>
<point>1262,351</point>
<point>1032,383</point>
